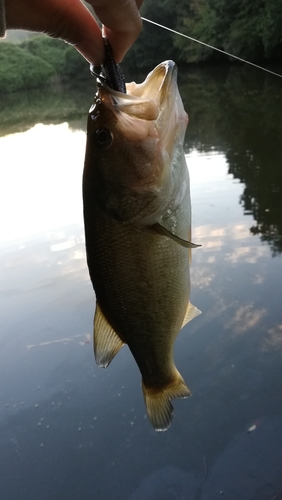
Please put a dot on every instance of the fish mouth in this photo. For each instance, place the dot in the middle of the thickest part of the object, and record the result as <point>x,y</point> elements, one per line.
<point>144,100</point>
<point>160,82</point>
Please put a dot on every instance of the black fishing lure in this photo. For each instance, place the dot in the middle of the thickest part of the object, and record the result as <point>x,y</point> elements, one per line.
<point>110,72</point>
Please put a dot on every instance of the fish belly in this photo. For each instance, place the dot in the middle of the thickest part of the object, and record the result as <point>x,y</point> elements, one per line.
<point>141,281</point>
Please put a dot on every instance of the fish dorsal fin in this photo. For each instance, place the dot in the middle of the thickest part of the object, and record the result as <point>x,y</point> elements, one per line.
<point>106,342</point>
<point>191,313</point>
<point>165,232</point>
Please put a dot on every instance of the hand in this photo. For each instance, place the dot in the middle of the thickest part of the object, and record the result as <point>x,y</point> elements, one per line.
<point>73,22</point>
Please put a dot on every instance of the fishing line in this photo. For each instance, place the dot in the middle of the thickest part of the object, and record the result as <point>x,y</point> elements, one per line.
<point>211,47</point>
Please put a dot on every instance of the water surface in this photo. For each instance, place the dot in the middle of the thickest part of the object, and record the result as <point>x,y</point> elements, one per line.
<point>70,430</point>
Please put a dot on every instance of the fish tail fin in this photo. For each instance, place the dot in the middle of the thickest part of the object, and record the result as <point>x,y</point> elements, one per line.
<point>159,408</point>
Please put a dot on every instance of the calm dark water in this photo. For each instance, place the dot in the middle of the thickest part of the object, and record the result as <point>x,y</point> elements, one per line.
<point>69,430</point>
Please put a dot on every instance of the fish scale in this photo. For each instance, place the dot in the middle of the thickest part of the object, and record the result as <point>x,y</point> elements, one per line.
<point>137,218</point>
<point>125,252</point>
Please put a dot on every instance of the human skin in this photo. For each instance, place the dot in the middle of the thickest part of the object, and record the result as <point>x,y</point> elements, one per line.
<point>71,21</point>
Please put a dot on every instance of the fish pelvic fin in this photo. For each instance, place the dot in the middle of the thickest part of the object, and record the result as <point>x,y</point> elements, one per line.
<point>165,232</point>
<point>106,341</point>
<point>191,313</point>
<point>159,408</point>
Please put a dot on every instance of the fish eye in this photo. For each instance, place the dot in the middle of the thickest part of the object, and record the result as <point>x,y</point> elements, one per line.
<point>103,138</point>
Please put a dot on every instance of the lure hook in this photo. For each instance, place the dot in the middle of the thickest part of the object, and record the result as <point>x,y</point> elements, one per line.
<point>110,72</point>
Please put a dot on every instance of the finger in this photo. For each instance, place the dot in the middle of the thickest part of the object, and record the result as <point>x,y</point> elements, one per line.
<point>69,20</point>
<point>77,26</point>
<point>122,23</point>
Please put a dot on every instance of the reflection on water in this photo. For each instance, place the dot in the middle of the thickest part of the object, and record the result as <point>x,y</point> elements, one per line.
<point>20,111</point>
<point>69,430</point>
<point>40,180</point>
<point>233,110</point>
<point>238,114</point>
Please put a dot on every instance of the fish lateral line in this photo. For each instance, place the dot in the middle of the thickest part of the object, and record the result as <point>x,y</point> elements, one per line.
<point>165,232</point>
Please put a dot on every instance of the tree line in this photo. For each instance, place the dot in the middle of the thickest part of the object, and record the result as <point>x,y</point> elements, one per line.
<point>251,29</point>
<point>38,62</point>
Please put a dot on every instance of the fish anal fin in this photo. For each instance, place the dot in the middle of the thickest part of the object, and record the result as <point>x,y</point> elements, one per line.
<point>159,408</point>
<point>191,313</point>
<point>165,232</point>
<point>106,342</point>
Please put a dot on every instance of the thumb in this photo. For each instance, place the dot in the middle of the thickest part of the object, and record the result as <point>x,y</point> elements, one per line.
<point>69,20</point>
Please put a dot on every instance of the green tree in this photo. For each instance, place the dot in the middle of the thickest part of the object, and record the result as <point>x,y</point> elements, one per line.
<point>21,70</point>
<point>271,29</point>
<point>75,67</point>
<point>244,37</point>
<point>49,49</point>
<point>155,44</point>
<point>246,28</point>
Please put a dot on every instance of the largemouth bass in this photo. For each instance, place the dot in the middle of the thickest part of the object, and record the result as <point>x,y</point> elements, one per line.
<point>137,218</point>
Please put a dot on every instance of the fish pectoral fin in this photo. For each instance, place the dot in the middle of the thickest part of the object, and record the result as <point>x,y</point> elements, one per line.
<point>159,408</point>
<point>191,313</point>
<point>106,341</point>
<point>165,232</point>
